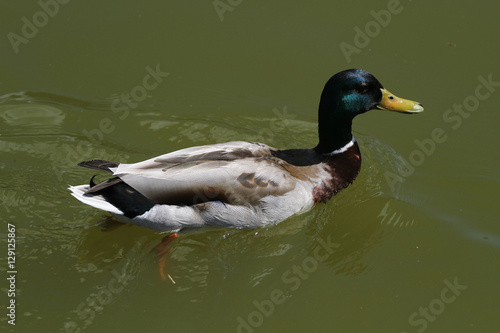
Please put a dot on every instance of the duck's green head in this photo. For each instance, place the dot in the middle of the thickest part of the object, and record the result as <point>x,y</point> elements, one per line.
<point>349,93</point>
<point>355,91</point>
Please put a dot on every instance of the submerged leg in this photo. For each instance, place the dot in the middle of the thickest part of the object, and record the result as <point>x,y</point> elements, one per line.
<point>161,251</point>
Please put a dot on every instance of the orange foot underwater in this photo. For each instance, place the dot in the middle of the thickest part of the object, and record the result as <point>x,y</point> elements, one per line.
<point>161,251</point>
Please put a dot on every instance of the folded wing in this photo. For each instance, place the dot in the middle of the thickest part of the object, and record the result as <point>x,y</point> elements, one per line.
<point>237,173</point>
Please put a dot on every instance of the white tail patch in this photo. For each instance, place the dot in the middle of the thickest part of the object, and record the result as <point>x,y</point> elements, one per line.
<point>96,201</point>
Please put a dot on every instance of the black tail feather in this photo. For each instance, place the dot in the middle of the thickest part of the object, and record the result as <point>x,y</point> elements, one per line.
<point>124,197</point>
<point>101,165</point>
<point>91,183</point>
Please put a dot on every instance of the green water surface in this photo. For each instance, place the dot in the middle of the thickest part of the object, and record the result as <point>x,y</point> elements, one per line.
<point>411,246</point>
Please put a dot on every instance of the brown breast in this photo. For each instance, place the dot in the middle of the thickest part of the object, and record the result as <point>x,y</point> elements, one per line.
<point>343,168</point>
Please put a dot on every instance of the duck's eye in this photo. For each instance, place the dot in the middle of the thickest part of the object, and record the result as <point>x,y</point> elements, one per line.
<point>362,88</point>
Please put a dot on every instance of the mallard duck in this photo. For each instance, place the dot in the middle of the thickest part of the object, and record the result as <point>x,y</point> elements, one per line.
<point>245,184</point>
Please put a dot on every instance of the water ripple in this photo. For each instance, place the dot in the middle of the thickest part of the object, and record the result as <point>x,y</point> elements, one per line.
<point>55,100</point>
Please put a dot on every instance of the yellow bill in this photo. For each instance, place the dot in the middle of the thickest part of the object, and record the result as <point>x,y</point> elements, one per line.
<point>391,102</point>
